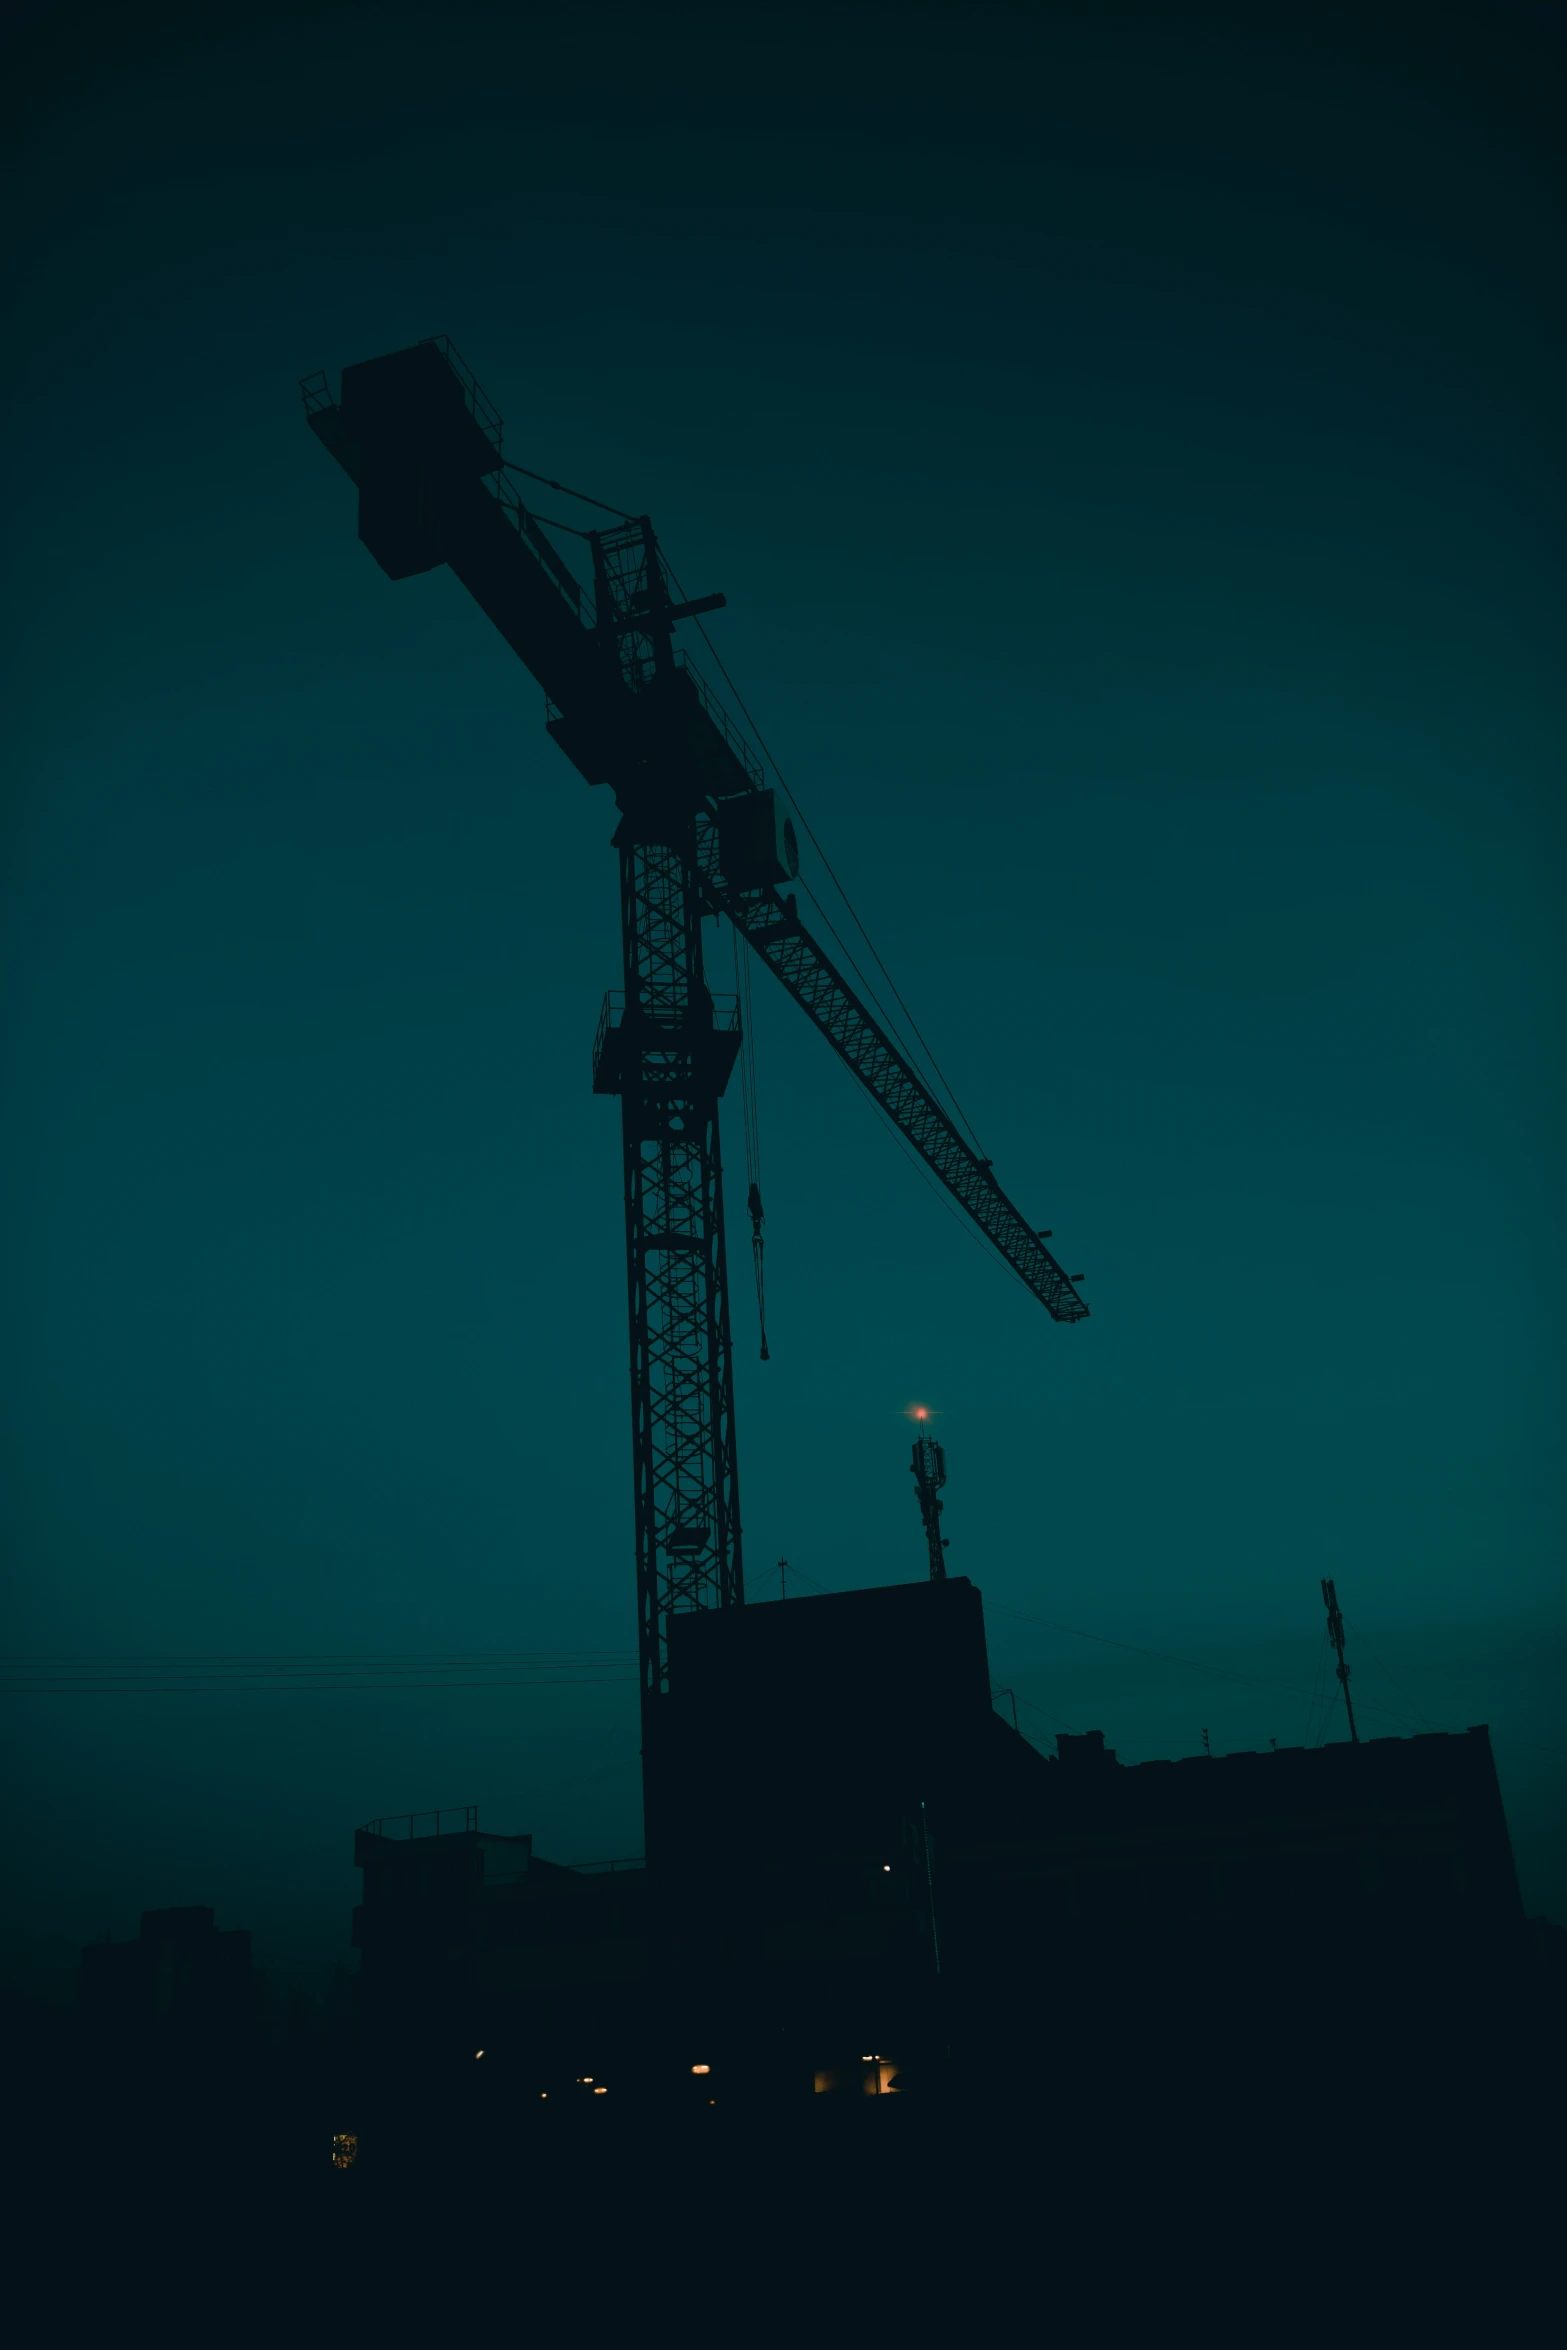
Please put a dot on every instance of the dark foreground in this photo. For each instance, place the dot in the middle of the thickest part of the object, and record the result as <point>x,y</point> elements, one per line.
<point>1324,2185</point>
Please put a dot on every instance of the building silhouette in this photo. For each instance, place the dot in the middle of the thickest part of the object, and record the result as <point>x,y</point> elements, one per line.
<point>859,1874</point>
<point>183,1986</point>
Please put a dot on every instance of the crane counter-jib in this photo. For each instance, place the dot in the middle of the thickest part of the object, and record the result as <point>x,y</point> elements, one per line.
<point>404,437</point>
<point>418,510</point>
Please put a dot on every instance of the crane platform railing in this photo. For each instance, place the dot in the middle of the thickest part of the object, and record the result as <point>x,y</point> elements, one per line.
<point>656,1032</point>
<point>400,1827</point>
<point>481,407</point>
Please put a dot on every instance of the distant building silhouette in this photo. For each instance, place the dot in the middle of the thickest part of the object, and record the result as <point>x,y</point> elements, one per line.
<point>853,1858</point>
<point>459,1930</point>
<point>182,1987</point>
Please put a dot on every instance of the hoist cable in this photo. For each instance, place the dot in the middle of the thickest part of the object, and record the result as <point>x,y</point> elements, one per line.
<point>511,466</point>
<point>752,1128</point>
<point>805,822</point>
<point>550,523</point>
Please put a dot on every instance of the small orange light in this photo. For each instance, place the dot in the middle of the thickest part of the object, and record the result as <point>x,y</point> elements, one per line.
<point>601,2092</point>
<point>701,2068</point>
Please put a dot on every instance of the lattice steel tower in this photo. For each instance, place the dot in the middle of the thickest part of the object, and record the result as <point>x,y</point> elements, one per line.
<point>668,1051</point>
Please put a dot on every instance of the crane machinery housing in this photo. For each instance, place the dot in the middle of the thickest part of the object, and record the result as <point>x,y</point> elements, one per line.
<point>699,833</point>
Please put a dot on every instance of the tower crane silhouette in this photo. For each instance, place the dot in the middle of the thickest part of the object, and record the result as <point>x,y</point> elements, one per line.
<point>699,833</point>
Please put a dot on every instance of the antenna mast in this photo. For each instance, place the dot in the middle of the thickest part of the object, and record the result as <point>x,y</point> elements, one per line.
<point>929,1471</point>
<point>1336,1635</point>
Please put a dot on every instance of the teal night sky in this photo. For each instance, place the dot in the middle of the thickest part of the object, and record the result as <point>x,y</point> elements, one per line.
<point>1126,444</point>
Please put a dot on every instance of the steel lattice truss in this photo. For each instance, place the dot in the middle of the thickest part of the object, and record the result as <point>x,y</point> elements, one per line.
<point>687,1510</point>
<point>774,929</point>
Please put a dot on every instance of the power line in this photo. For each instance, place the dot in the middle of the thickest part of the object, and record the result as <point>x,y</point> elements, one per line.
<point>1168,1656</point>
<point>393,1660</point>
<point>280,1688</point>
<point>1395,1685</point>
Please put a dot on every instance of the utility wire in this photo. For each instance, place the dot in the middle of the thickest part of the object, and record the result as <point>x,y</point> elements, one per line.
<point>1397,1686</point>
<point>390,1657</point>
<point>1168,1656</point>
<point>150,1688</point>
<point>1164,1656</point>
<point>124,1674</point>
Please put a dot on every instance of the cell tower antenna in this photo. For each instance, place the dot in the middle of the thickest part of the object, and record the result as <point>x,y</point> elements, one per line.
<point>929,1471</point>
<point>1336,1635</point>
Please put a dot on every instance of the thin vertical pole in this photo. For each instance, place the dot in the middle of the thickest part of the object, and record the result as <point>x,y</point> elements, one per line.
<point>930,1888</point>
<point>1336,1635</point>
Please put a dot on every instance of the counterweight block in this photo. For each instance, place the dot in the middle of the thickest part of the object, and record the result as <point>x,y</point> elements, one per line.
<point>419,447</point>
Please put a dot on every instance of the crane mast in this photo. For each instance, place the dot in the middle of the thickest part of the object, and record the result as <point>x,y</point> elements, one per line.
<point>698,834</point>
<point>668,1051</point>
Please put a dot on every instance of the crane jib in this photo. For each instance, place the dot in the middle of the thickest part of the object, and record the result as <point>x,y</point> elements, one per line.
<point>776,932</point>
